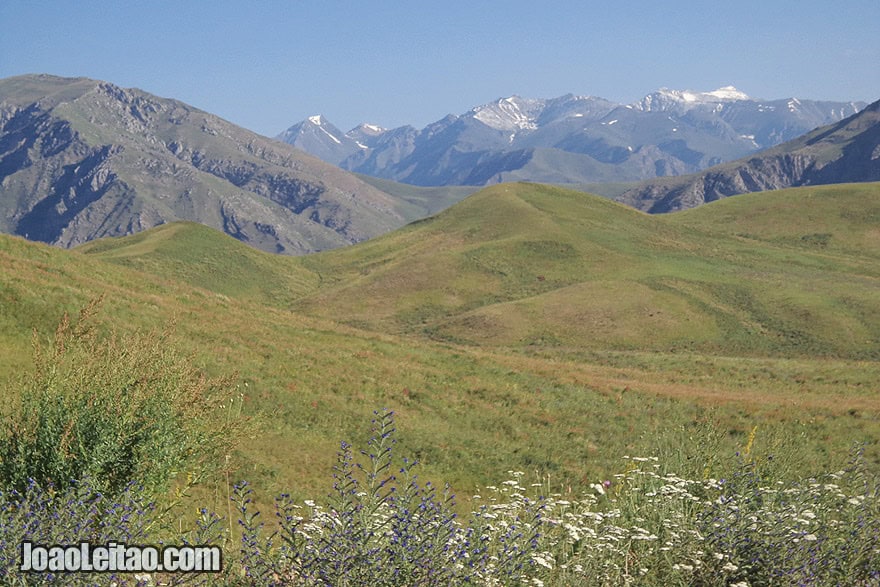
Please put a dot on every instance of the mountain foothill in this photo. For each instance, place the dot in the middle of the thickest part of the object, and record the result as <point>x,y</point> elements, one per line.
<point>83,159</point>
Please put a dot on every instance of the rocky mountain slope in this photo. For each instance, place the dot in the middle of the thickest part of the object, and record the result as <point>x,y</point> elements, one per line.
<point>82,159</point>
<point>570,139</point>
<point>847,151</point>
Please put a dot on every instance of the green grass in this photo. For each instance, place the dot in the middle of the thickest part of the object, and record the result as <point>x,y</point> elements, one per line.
<point>515,261</point>
<point>202,257</point>
<point>526,328</point>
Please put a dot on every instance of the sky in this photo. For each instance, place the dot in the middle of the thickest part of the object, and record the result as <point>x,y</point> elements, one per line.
<point>267,65</point>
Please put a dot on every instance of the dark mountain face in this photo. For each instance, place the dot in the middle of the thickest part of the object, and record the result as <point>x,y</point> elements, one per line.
<point>82,159</point>
<point>574,139</point>
<point>844,152</point>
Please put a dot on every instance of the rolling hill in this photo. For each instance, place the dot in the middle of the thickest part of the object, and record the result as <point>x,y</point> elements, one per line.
<point>524,265</point>
<point>559,320</point>
<point>519,265</point>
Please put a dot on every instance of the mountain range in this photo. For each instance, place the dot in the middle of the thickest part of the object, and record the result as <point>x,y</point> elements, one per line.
<point>847,151</point>
<point>570,139</point>
<point>82,159</point>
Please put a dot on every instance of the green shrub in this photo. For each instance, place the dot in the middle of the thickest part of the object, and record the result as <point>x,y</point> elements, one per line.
<point>112,409</point>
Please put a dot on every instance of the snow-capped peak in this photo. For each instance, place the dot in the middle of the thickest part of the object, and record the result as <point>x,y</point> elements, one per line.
<point>728,93</point>
<point>367,129</point>
<point>317,119</point>
<point>666,99</point>
<point>513,113</point>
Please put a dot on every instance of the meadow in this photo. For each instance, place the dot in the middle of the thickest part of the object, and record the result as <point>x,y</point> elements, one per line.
<point>527,329</point>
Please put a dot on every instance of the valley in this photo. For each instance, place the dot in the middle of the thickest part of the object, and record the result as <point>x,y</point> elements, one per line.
<point>641,326</point>
<point>521,338</point>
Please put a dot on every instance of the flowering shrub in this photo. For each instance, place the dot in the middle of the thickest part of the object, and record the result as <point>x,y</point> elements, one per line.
<point>383,528</point>
<point>643,526</point>
<point>78,513</point>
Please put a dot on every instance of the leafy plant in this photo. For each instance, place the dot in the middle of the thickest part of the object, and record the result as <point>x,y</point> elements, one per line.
<point>112,409</point>
<point>383,528</point>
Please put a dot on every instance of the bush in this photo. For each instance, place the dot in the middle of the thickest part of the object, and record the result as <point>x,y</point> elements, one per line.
<point>113,409</point>
<point>383,528</point>
<point>77,513</point>
<point>380,527</point>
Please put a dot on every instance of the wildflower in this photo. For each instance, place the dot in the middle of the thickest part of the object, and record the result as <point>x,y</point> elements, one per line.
<point>729,567</point>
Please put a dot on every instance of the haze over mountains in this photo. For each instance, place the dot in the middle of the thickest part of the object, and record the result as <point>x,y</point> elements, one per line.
<point>570,139</point>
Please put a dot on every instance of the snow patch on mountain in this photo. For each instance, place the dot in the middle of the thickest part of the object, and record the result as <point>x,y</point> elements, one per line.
<point>513,113</point>
<point>666,99</point>
<point>368,128</point>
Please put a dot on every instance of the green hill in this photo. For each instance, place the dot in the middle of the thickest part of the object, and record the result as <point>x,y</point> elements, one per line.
<point>522,264</point>
<point>194,254</point>
<point>526,328</point>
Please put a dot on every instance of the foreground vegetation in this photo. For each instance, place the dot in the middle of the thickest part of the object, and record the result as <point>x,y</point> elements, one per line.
<point>738,523</point>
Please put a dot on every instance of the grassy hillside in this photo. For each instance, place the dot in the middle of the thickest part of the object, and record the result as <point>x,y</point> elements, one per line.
<point>527,328</point>
<point>834,219</point>
<point>524,265</point>
<point>206,258</point>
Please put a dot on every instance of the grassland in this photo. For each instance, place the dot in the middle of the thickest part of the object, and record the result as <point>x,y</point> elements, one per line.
<point>519,266</point>
<point>526,328</point>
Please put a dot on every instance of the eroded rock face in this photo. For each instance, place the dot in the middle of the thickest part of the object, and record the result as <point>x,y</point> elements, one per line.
<point>82,159</point>
<point>839,153</point>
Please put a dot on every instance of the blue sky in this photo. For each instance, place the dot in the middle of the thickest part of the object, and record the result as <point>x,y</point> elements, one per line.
<point>266,65</point>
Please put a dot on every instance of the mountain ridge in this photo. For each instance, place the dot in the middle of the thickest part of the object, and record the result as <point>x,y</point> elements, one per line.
<point>843,152</point>
<point>668,132</point>
<point>82,159</point>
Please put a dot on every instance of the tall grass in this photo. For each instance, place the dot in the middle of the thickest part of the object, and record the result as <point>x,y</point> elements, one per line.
<point>112,409</point>
<point>103,424</point>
